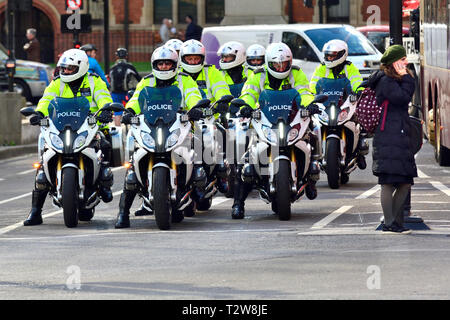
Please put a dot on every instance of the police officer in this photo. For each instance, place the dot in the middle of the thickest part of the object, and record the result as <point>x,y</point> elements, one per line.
<point>75,81</point>
<point>255,56</point>
<point>124,77</point>
<point>164,73</point>
<point>213,86</point>
<point>278,73</point>
<point>335,66</point>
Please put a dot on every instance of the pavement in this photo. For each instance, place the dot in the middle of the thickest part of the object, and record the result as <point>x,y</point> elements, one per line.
<point>15,151</point>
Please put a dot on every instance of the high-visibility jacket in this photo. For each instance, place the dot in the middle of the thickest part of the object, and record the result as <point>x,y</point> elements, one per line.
<point>92,87</point>
<point>212,83</point>
<point>349,71</point>
<point>189,91</point>
<point>235,88</point>
<point>259,81</point>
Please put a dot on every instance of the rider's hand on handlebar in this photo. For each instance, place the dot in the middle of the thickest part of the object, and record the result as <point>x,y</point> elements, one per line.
<point>313,109</point>
<point>105,116</point>
<point>222,107</point>
<point>246,112</point>
<point>195,114</point>
<point>36,119</point>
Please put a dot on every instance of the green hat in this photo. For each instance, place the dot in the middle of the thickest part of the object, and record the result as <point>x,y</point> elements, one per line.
<point>393,53</point>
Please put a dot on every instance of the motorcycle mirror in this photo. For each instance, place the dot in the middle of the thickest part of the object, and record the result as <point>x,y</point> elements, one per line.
<point>320,98</point>
<point>238,102</point>
<point>27,111</point>
<point>227,98</point>
<point>204,103</point>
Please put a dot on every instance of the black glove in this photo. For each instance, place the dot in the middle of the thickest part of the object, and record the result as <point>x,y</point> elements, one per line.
<point>221,107</point>
<point>127,115</point>
<point>36,119</point>
<point>195,114</point>
<point>105,116</point>
<point>246,112</point>
<point>313,108</point>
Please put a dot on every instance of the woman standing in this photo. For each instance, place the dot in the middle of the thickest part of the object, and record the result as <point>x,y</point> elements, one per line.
<point>393,159</point>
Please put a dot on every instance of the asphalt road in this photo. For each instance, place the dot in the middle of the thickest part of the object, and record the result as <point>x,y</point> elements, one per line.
<point>330,249</point>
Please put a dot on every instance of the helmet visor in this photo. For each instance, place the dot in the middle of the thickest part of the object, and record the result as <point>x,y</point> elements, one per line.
<point>333,55</point>
<point>280,66</point>
<point>193,59</point>
<point>67,69</point>
<point>255,61</point>
<point>226,58</point>
<point>164,65</point>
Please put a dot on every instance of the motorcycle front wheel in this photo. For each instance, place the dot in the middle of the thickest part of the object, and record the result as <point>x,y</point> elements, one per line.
<point>69,192</point>
<point>161,202</point>
<point>283,198</point>
<point>333,163</point>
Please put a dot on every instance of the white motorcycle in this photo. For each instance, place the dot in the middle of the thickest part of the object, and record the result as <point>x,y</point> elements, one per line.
<point>159,147</point>
<point>340,131</point>
<point>280,150</point>
<point>70,155</point>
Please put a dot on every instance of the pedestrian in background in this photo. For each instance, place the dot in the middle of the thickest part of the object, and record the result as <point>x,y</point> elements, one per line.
<point>393,158</point>
<point>32,47</point>
<point>167,30</point>
<point>94,66</point>
<point>193,31</point>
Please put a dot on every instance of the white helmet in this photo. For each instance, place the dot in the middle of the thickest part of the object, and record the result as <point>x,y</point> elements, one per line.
<point>255,51</point>
<point>175,44</point>
<point>192,47</point>
<point>231,48</point>
<point>166,54</point>
<point>277,53</point>
<point>76,60</point>
<point>335,52</point>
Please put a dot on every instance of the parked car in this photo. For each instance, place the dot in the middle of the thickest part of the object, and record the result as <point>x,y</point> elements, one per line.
<point>305,40</point>
<point>31,78</point>
<point>378,35</point>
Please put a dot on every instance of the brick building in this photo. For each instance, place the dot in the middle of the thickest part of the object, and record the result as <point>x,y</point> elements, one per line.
<point>145,18</point>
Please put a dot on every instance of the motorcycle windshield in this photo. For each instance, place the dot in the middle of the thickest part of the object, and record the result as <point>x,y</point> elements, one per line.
<point>160,104</point>
<point>68,112</point>
<point>236,89</point>
<point>336,89</point>
<point>278,105</point>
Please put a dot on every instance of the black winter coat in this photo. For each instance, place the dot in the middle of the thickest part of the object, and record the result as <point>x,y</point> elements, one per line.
<point>393,159</point>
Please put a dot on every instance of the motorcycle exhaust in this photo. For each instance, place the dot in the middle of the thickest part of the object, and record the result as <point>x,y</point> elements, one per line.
<point>351,166</point>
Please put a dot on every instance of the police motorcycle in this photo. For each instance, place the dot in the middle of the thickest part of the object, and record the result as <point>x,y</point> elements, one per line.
<point>279,149</point>
<point>340,131</point>
<point>159,147</point>
<point>70,155</point>
<point>210,135</point>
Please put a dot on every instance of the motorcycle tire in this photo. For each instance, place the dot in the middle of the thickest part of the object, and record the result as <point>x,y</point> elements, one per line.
<point>231,177</point>
<point>283,198</point>
<point>203,204</point>
<point>69,192</point>
<point>161,202</point>
<point>333,163</point>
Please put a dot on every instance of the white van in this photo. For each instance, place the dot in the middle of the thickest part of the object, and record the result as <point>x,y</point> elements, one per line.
<point>305,40</point>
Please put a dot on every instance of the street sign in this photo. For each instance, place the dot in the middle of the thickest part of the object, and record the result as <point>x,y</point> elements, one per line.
<point>80,23</point>
<point>74,4</point>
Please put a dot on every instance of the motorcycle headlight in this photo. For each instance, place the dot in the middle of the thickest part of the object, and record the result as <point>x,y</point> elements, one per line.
<point>343,114</point>
<point>323,116</point>
<point>80,140</point>
<point>148,140</point>
<point>56,141</point>
<point>293,133</point>
<point>270,135</point>
<point>173,138</point>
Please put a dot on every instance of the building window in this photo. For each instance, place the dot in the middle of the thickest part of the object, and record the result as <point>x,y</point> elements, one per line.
<point>161,9</point>
<point>339,13</point>
<point>187,7</point>
<point>215,10</point>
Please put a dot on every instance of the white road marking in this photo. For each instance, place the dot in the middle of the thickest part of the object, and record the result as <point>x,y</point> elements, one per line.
<point>322,223</point>
<point>15,198</point>
<point>117,168</point>
<point>441,187</point>
<point>218,200</point>
<point>369,192</point>
<point>26,172</point>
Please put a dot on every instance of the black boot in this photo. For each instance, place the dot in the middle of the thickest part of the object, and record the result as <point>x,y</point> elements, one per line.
<point>37,202</point>
<point>126,200</point>
<point>106,178</point>
<point>241,191</point>
<point>238,211</point>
